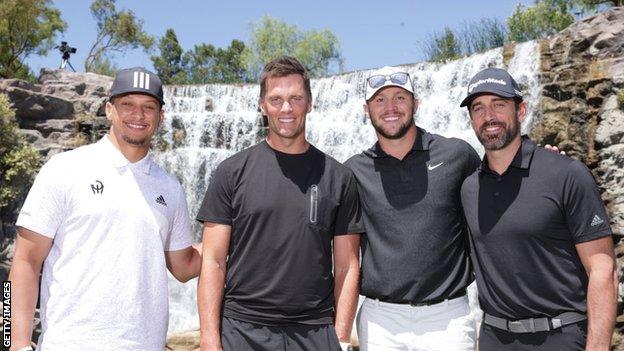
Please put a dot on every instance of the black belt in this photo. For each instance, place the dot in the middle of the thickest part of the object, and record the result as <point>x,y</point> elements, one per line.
<point>428,302</point>
<point>534,325</point>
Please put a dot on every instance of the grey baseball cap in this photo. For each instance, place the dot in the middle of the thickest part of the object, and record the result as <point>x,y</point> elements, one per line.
<point>137,80</point>
<point>495,81</point>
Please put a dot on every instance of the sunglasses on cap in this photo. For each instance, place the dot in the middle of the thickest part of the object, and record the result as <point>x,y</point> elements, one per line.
<point>379,80</point>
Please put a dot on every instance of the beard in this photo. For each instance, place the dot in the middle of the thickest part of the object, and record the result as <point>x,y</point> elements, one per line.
<point>135,141</point>
<point>399,133</point>
<point>501,140</point>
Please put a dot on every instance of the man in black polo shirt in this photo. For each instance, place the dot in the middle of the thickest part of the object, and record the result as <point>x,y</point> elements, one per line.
<point>276,211</point>
<point>415,267</point>
<point>540,239</point>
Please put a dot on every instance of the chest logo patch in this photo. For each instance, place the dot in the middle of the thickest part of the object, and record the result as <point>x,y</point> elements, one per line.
<point>431,168</point>
<point>596,221</point>
<point>161,200</point>
<point>97,188</point>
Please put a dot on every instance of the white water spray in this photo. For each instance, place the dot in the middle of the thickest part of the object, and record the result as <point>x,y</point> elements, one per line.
<point>206,124</point>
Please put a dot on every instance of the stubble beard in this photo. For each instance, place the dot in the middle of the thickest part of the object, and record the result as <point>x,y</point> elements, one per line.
<point>400,133</point>
<point>498,142</point>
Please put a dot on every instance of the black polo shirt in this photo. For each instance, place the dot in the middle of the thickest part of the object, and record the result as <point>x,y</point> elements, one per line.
<point>414,249</point>
<point>524,225</point>
<point>285,210</point>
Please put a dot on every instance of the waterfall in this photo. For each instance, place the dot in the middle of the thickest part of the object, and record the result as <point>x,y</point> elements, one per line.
<point>206,124</point>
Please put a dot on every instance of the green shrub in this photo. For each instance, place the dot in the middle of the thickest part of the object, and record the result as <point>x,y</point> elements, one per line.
<point>19,161</point>
<point>620,98</point>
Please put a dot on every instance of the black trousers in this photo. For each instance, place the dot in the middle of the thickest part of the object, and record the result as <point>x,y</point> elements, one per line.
<point>569,337</point>
<point>238,335</point>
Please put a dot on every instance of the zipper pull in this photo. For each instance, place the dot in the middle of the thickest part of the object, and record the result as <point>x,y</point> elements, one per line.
<point>313,203</point>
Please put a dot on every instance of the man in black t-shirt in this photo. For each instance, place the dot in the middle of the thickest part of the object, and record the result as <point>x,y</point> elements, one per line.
<point>273,215</point>
<point>540,239</point>
<point>415,267</point>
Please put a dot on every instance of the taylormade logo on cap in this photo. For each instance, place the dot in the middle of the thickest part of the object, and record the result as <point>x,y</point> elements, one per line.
<point>495,81</point>
<point>489,80</point>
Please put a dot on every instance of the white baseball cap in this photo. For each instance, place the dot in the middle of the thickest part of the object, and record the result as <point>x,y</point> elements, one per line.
<point>387,77</point>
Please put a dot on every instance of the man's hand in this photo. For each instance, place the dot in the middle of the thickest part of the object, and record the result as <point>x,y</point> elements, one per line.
<point>554,149</point>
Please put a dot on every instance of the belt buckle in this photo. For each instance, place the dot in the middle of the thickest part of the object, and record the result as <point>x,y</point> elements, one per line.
<point>556,323</point>
<point>516,327</point>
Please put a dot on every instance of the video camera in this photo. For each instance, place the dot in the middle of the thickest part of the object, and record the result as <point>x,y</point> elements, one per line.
<point>65,49</point>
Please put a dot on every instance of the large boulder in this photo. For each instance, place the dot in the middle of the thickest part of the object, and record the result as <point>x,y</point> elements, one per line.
<point>32,104</point>
<point>87,91</point>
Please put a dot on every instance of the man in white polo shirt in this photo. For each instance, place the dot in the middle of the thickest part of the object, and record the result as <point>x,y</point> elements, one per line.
<point>106,223</point>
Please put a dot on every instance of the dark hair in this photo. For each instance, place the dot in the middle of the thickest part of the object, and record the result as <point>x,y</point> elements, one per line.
<point>281,67</point>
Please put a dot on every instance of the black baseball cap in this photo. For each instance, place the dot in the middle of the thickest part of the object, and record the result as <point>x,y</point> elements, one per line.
<point>137,80</point>
<point>495,81</point>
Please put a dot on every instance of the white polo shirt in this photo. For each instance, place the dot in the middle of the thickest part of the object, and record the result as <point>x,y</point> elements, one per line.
<point>104,283</point>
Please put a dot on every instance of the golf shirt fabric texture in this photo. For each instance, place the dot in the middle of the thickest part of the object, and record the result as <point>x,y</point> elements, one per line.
<point>284,210</point>
<point>104,281</point>
<point>414,248</point>
<point>524,225</point>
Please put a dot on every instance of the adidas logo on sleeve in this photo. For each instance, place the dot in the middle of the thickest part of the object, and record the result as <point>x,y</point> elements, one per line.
<point>596,221</point>
<point>161,200</point>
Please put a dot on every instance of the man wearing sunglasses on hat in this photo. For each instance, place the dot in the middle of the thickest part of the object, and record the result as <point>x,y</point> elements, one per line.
<point>106,223</point>
<point>415,267</point>
<point>540,239</point>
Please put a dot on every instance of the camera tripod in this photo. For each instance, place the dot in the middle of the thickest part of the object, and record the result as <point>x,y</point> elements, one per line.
<point>66,62</point>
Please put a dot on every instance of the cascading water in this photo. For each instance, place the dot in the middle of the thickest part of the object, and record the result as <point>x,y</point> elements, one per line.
<point>206,124</point>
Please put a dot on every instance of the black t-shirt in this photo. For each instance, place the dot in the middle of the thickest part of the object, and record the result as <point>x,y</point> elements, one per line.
<point>414,249</point>
<point>524,225</point>
<point>284,210</point>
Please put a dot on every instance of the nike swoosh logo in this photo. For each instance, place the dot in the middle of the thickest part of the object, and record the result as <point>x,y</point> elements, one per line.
<point>431,168</point>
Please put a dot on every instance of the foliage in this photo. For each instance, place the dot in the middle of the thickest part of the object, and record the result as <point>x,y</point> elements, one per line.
<point>442,47</point>
<point>26,27</point>
<point>544,18</point>
<point>168,63</point>
<point>620,98</point>
<point>206,64</point>
<point>117,31</point>
<point>485,34</point>
<point>592,6</point>
<point>18,160</point>
<point>104,66</point>
<point>270,38</point>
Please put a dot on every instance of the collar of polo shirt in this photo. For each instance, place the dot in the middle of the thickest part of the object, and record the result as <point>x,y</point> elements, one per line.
<point>423,139</point>
<point>521,160</point>
<point>110,152</point>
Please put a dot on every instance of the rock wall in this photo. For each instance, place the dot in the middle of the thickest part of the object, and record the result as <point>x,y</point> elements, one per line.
<point>582,71</point>
<point>63,111</point>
